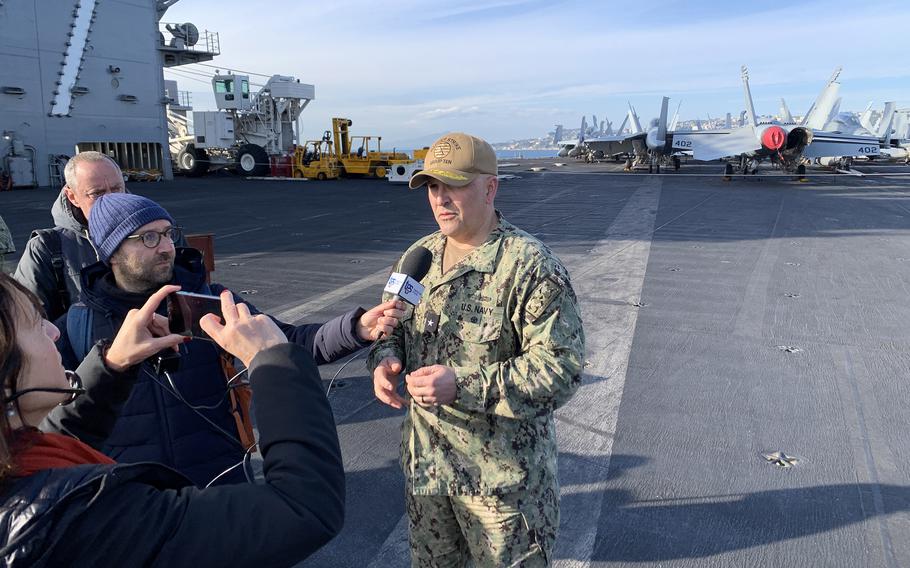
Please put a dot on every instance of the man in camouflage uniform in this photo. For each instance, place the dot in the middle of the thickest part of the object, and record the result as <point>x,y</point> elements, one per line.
<point>493,348</point>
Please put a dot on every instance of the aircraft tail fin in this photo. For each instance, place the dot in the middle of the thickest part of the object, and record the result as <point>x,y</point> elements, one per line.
<point>728,122</point>
<point>901,124</point>
<point>623,125</point>
<point>821,110</point>
<point>884,125</point>
<point>865,119</point>
<point>557,135</point>
<point>675,122</point>
<point>785,115</point>
<point>583,129</point>
<point>662,122</point>
<point>835,110</point>
<point>634,123</point>
<point>806,116</point>
<point>747,95</point>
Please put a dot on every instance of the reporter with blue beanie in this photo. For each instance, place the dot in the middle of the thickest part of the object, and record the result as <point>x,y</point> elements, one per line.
<point>186,418</point>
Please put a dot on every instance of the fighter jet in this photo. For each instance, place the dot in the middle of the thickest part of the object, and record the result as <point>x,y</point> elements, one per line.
<point>613,145</point>
<point>893,131</point>
<point>639,146</point>
<point>846,123</point>
<point>787,145</point>
<point>886,129</point>
<point>572,148</point>
<point>901,135</point>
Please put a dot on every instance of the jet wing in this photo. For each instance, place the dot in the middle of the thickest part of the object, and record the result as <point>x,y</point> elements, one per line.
<point>828,144</point>
<point>715,144</point>
<point>611,145</point>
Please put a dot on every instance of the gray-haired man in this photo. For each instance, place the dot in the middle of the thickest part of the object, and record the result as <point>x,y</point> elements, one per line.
<point>53,258</point>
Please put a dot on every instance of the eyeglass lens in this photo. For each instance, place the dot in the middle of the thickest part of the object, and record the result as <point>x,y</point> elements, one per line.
<point>152,238</point>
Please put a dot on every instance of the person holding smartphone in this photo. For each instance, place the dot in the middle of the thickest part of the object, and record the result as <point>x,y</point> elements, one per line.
<point>179,416</point>
<point>63,503</point>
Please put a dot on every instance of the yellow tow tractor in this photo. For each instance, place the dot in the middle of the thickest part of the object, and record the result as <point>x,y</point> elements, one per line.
<point>316,160</point>
<point>363,161</point>
<point>332,156</point>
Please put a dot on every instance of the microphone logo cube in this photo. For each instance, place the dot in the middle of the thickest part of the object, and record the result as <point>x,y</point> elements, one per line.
<point>405,288</point>
<point>394,283</point>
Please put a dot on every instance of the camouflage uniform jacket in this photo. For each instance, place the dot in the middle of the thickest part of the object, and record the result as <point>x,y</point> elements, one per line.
<point>506,320</point>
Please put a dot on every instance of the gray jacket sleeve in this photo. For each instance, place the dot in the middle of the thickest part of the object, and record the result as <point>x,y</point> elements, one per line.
<point>91,417</point>
<point>327,342</point>
<point>6,239</point>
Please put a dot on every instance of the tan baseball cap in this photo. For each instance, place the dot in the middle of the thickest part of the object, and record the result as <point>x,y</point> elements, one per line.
<point>456,159</point>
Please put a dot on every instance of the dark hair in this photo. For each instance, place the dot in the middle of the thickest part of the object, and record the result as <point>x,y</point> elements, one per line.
<point>11,358</point>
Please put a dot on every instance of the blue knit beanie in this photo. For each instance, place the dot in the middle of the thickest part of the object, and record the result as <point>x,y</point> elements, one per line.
<point>115,216</point>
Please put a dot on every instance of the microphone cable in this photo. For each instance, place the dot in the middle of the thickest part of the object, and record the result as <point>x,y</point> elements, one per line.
<point>234,439</point>
<point>364,350</point>
<point>245,463</point>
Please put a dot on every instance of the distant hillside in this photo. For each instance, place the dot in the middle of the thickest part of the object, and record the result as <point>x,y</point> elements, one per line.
<point>424,140</point>
<point>526,144</point>
<point>541,143</point>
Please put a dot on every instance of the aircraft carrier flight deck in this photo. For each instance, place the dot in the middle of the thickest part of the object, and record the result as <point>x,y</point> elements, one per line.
<point>745,392</point>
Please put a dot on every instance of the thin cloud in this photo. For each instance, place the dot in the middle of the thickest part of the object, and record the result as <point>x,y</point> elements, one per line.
<point>514,68</point>
<point>452,111</point>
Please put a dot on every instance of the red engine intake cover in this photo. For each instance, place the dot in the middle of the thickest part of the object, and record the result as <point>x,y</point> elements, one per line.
<point>773,137</point>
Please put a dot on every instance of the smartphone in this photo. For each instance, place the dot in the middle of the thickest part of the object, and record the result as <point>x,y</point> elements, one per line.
<point>185,309</point>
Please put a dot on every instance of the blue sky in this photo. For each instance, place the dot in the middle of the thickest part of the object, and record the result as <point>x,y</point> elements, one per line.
<point>508,69</point>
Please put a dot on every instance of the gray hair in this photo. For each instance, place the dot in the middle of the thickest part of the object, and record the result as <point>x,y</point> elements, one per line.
<point>69,172</point>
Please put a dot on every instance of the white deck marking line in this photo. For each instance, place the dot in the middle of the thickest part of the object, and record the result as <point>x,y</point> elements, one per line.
<point>296,313</point>
<point>750,321</point>
<point>238,233</point>
<point>611,280</point>
<point>311,217</point>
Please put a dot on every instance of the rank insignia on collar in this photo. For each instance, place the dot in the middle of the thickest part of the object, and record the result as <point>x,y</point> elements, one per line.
<point>431,323</point>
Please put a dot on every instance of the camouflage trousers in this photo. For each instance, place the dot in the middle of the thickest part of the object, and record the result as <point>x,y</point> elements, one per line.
<point>516,529</point>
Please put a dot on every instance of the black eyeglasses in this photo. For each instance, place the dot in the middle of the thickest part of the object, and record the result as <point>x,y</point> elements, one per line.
<point>74,391</point>
<point>151,238</point>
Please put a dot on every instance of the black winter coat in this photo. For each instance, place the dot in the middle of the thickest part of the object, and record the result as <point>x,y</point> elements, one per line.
<point>150,515</point>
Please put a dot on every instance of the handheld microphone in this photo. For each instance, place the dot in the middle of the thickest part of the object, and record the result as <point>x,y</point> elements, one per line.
<point>405,285</point>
